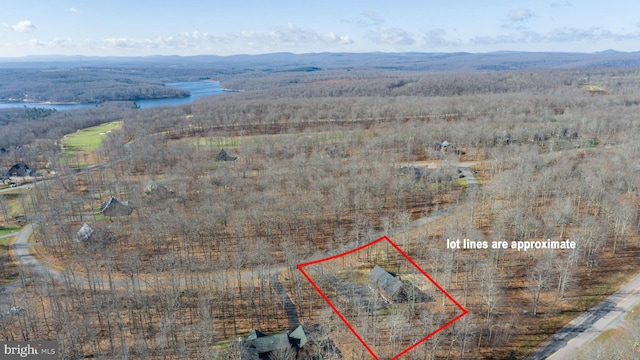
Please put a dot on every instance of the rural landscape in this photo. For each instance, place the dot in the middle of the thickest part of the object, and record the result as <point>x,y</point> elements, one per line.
<point>308,209</point>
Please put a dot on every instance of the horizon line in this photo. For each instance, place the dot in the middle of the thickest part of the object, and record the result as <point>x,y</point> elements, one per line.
<point>601,52</point>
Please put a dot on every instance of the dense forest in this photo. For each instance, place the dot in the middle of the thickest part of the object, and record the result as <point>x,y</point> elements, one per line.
<point>318,161</point>
<point>81,85</point>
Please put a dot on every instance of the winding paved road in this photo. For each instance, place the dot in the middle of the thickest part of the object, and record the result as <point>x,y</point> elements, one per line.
<point>21,251</point>
<point>36,268</point>
<point>563,345</point>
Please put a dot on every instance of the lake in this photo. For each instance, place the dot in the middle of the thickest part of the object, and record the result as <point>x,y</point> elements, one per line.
<point>197,89</point>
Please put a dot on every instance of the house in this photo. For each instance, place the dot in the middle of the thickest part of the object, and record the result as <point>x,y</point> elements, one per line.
<point>19,169</point>
<point>381,282</point>
<point>223,156</point>
<point>154,189</point>
<point>113,207</point>
<point>260,346</point>
<point>335,152</point>
<point>392,289</point>
<point>84,233</point>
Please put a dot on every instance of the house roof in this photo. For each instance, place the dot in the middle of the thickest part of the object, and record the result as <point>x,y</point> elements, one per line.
<point>113,207</point>
<point>223,156</point>
<point>297,336</point>
<point>84,233</point>
<point>153,188</point>
<point>383,280</point>
<point>258,343</point>
<point>268,343</point>
<point>20,169</point>
<point>254,334</point>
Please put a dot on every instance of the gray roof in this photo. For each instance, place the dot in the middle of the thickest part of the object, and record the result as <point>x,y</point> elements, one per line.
<point>84,232</point>
<point>254,334</point>
<point>387,284</point>
<point>113,207</point>
<point>19,169</point>
<point>223,156</point>
<point>260,345</point>
<point>297,336</point>
<point>266,344</point>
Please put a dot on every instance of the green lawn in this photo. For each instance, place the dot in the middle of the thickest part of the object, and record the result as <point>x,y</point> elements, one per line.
<point>8,265</point>
<point>4,231</point>
<point>217,143</point>
<point>13,204</point>
<point>8,230</point>
<point>88,139</point>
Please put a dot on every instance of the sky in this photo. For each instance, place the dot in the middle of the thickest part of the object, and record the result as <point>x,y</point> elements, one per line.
<point>212,27</point>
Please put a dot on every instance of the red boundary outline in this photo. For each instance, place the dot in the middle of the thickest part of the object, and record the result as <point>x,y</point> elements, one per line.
<point>326,299</point>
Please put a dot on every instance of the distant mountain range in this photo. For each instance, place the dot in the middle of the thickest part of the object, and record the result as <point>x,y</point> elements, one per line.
<point>493,61</point>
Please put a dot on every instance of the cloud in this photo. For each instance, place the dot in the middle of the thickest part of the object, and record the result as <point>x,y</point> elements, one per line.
<point>73,10</point>
<point>393,36</point>
<point>566,34</point>
<point>340,39</point>
<point>438,37</point>
<point>558,35</point>
<point>373,17</point>
<point>184,41</point>
<point>366,19</point>
<point>57,43</point>
<point>519,15</point>
<point>557,4</point>
<point>24,26</point>
<point>293,35</point>
<point>284,38</point>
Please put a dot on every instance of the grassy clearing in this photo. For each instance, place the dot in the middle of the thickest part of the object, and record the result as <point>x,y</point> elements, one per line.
<point>629,315</point>
<point>609,335</point>
<point>88,139</point>
<point>323,137</point>
<point>217,143</point>
<point>6,230</point>
<point>462,183</point>
<point>593,88</point>
<point>6,241</point>
<point>8,265</point>
<point>13,204</point>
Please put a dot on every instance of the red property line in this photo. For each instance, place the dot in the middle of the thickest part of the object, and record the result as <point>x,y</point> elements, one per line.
<point>346,252</point>
<point>326,299</point>
<point>464,311</point>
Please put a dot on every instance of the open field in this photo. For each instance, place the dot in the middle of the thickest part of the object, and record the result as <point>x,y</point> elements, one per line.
<point>79,147</point>
<point>90,138</point>
<point>14,204</point>
<point>4,230</point>
<point>9,265</point>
